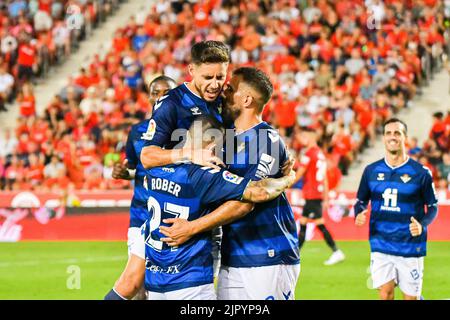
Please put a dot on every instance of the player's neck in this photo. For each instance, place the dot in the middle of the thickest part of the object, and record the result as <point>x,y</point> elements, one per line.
<point>245,122</point>
<point>193,89</point>
<point>396,159</point>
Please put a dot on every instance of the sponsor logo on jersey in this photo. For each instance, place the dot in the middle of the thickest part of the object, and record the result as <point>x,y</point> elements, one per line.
<point>231,177</point>
<point>405,178</point>
<point>151,130</point>
<point>157,269</point>
<point>390,196</point>
<point>380,177</point>
<point>168,170</point>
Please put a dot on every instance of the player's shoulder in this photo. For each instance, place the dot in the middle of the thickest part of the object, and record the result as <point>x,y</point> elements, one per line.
<point>173,172</point>
<point>195,171</point>
<point>264,130</point>
<point>140,126</point>
<point>208,173</point>
<point>137,129</point>
<point>375,166</point>
<point>172,98</point>
<point>418,168</point>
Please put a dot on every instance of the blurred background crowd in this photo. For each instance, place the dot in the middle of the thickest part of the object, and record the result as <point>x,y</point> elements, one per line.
<point>342,67</point>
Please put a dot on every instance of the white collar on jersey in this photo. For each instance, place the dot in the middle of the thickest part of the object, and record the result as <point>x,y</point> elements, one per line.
<point>400,165</point>
<point>186,85</point>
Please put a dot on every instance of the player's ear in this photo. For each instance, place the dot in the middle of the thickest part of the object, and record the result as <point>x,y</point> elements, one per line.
<point>191,69</point>
<point>248,101</point>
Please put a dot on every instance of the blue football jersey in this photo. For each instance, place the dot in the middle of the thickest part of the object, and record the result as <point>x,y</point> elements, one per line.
<point>177,110</point>
<point>183,191</point>
<point>267,235</point>
<point>396,195</point>
<point>135,143</point>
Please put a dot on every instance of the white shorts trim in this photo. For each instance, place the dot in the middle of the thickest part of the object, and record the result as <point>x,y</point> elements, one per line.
<point>136,243</point>
<point>203,292</point>
<point>276,282</point>
<point>407,272</point>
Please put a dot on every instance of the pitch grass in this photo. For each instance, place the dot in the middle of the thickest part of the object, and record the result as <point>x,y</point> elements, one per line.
<point>47,270</point>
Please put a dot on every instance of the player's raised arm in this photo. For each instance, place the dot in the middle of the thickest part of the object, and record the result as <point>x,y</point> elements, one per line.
<point>162,132</point>
<point>268,189</point>
<point>255,191</point>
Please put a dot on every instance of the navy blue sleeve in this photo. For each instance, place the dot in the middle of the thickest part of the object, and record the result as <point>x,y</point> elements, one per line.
<point>363,195</point>
<point>130,152</point>
<point>430,216</point>
<point>429,195</point>
<point>428,191</point>
<point>212,185</point>
<point>162,123</point>
<point>270,157</point>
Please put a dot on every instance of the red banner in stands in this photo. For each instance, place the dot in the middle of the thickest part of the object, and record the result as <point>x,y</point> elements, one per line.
<point>44,223</point>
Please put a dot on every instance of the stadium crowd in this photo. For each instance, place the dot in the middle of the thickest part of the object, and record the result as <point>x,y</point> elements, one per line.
<point>38,34</point>
<point>342,67</point>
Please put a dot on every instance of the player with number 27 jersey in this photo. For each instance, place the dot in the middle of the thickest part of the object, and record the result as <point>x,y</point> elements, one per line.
<point>183,191</point>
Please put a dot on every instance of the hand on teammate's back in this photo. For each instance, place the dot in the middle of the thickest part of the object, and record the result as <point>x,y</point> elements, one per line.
<point>415,227</point>
<point>361,218</point>
<point>120,170</point>
<point>178,233</point>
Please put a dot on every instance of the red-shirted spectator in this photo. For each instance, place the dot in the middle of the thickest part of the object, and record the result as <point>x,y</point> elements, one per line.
<point>26,61</point>
<point>27,102</point>
<point>35,171</point>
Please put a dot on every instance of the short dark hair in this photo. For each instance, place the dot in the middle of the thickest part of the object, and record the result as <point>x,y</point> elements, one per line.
<point>210,52</point>
<point>393,120</point>
<point>439,115</point>
<point>258,80</point>
<point>207,122</point>
<point>162,78</point>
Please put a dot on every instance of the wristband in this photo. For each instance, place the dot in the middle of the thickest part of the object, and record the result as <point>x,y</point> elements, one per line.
<point>131,173</point>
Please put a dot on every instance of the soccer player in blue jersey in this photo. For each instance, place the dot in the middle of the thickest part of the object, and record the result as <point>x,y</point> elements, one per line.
<point>185,191</point>
<point>174,112</point>
<point>399,189</point>
<point>260,257</point>
<point>133,169</point>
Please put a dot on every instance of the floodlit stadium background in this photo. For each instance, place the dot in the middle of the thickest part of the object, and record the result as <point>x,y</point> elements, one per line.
<point>72,81</point>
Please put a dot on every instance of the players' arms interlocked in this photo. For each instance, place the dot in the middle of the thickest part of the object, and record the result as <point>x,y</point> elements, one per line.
<point>267,189</point>
<point>154,156</point>
<point>256,191</point>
